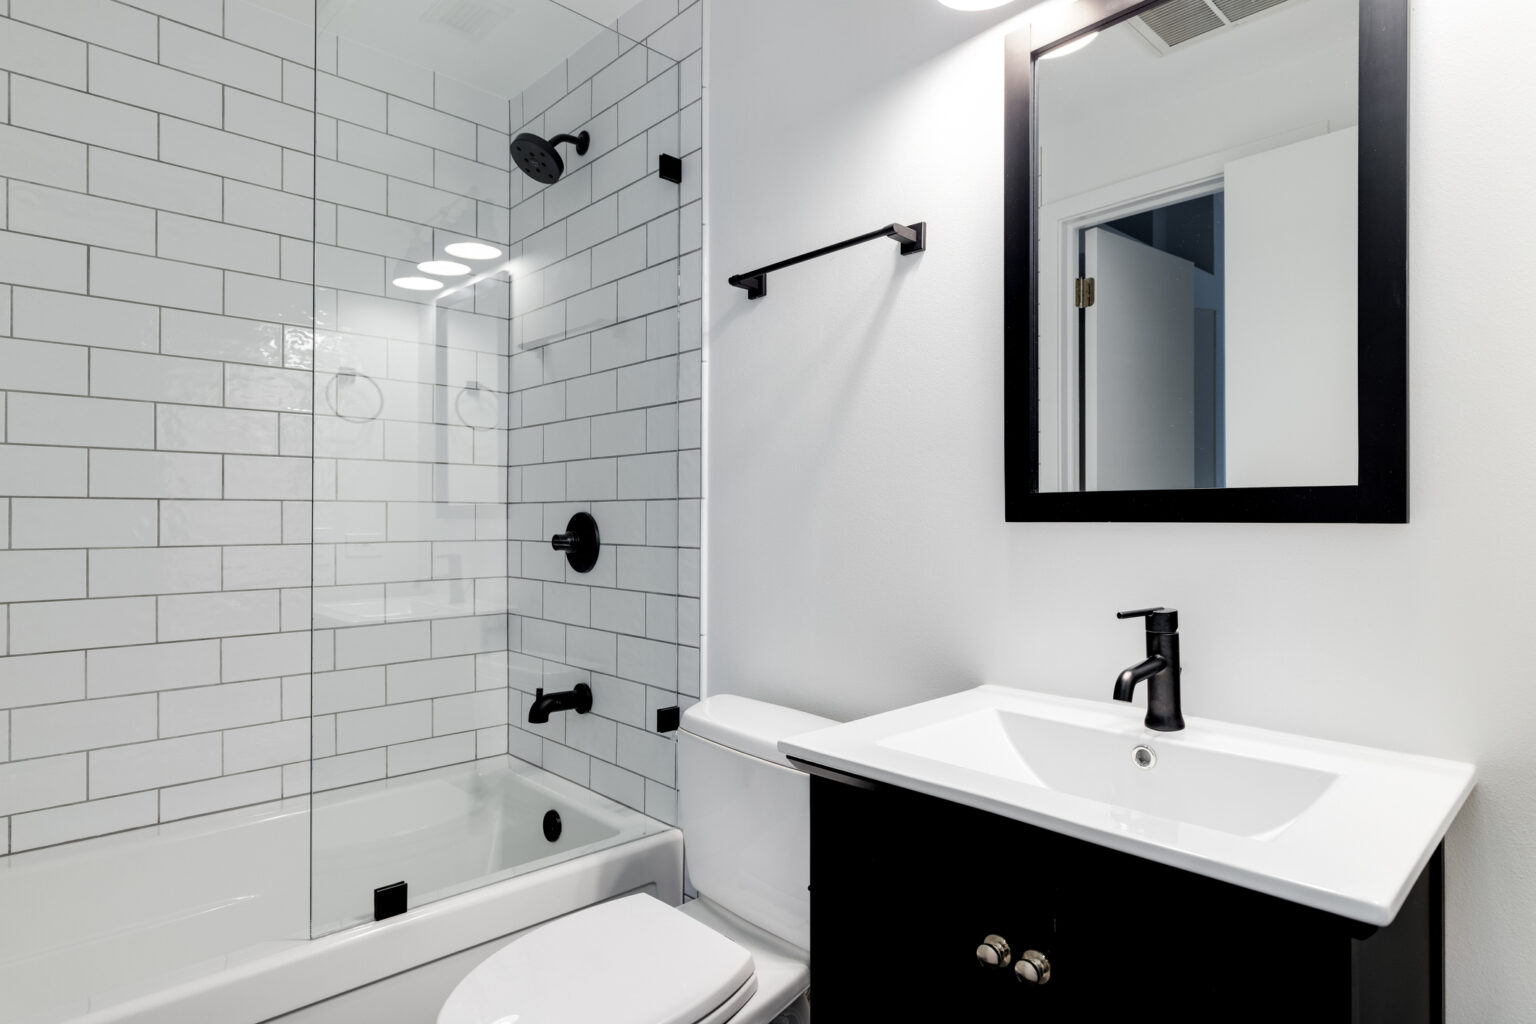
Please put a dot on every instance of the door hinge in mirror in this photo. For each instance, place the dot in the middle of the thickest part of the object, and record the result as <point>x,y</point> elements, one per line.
<point>1083,292</point>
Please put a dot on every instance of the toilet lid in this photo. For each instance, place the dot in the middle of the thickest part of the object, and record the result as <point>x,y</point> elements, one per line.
<point>629,961</point>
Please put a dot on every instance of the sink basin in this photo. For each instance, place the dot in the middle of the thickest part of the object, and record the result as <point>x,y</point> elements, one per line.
<point>1341,828</point>
<point>1120,767</point>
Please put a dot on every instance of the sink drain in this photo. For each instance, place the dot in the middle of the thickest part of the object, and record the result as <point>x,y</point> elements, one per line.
<point>1144,757</point>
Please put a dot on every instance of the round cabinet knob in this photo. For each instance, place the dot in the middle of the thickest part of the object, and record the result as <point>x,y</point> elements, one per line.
<point>994,952</point>
<point>1033,968</point>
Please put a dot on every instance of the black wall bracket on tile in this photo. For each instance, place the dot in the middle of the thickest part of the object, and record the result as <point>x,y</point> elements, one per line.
<point>671,169</point>
<point>913,238</point>
<point>388,901</point>
<point>668,719</point>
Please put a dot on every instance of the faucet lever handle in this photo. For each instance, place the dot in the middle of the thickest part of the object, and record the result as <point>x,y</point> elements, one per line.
<point>1159,620</point>
<point>1143,613</point>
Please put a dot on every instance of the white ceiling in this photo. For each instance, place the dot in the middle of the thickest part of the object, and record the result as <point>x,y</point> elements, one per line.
<point>500,46</point>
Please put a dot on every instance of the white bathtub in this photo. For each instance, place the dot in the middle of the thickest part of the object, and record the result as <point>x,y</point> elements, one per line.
<point>208,921</point>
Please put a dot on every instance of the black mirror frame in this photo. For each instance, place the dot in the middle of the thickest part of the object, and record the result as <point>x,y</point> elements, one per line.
<point>1382,493</point>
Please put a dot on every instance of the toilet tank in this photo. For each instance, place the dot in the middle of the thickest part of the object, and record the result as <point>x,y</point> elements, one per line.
<point>746,813</point>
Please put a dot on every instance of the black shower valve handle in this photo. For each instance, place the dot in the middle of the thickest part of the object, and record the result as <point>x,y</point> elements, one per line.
<point>564,541</point>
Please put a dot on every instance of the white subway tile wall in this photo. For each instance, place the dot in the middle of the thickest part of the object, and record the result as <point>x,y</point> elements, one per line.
<point>603,349</point>
<point>175,217</point>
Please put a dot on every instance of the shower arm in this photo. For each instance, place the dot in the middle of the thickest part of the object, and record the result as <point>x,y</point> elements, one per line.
<point>581,142</point>
<point>912,237</point>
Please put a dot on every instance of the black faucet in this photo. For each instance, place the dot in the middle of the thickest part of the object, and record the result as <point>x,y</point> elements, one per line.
<point>578,700</point>
<point>1161,670</point>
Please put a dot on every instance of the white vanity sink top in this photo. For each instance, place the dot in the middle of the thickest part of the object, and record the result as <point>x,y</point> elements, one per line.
<point>1341,828</point>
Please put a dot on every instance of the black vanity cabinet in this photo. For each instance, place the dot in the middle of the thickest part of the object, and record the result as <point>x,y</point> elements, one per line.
<point>905,887</point>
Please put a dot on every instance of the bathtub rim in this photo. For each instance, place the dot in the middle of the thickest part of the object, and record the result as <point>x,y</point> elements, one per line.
<point>252,992</point>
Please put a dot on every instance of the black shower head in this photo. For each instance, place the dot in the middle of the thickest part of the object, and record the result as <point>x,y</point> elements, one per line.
<point>540,160</point>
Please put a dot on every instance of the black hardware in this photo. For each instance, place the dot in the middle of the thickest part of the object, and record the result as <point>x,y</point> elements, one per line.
<point>1382,493</point>
<point>578,700</point>
<point>668,719</point>
<point>540,160</point>
<point>388,901</point>
<point>552,825</point>
<point>913,239</point>
<point>580,542</point>
<point>1161,669</point>
<point>671,169</point>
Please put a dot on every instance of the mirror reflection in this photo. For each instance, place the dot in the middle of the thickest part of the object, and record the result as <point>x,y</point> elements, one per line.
<point>1197,212</point>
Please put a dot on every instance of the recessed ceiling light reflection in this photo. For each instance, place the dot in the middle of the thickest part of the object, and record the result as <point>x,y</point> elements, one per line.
<point>443,268</point>
<point>418,284</point>
<point>473,251</point>
<point>1072,47</point>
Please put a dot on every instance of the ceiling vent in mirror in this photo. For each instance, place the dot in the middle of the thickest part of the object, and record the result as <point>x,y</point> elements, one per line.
<point>1180,21</point>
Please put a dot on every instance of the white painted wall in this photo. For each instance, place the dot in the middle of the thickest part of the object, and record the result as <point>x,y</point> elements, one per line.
<point>858,555</point>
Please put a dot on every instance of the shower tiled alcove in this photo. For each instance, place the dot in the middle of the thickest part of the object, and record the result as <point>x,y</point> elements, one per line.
<point>222,582</point>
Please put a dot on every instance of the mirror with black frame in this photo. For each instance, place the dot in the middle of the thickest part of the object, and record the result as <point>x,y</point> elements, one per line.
<point>1206,262</point>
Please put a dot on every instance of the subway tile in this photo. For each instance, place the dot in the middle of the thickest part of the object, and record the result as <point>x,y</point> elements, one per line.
<point>217,245</point>
<point>203,616</point>
<point>49,108</point>
<point>117,671</point>
<point>128,769</point>
<point>648,569</point>
<point>219,152</point>
<point>209,56</point>
<point>252,387</point>
<point>266,746</point>
<point>41,782</point>
<point>198,13</point>
<point>220,522</point>
<point>430,127</point>
<point>351,689</point>
<point>82,725</point>
<point>152,378</point>
<point>70,216</point>
<point>34,156</point>
<point>349,101</point>
<point>117,275</point>
<point>143,83</point>
<point>229,706</point>
<point>567,763</point>
<point>468,177</point>
<point>356,187</point>
<point>135,572</point>
<point>38,53</point>
<point>421,205</point>
<point>268,209</point>
<point>648,476</point>
<point>378,727</point>
<point>422,680</point>
<point>136,180</point>
<point>96,21</point>
<point>225,793</point>
<point>221,337</point>
<point>79,821</point>
<point>125,474</point>
<point>400,158</point>
<point>263,657</point>
<point>190,428</point>
<point>470,711</point>
<point>264,567</point>
<point>421,755</point>
<point>472,635</point>
<point>262,298</point>
<point>348,769</point>
<point>81,522</point>
<point>267,478</point>
<point>383,645</point>
<point>265,29</point>
<point>42,263</point>
<point>269,121</point>
<point>42,679</point>
<point>29,471</point>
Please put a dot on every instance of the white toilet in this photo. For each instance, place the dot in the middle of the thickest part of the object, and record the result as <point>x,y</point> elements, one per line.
<point>738,953</point>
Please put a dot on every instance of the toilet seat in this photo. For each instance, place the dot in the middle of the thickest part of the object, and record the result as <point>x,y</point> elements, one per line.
<point>629,961</point>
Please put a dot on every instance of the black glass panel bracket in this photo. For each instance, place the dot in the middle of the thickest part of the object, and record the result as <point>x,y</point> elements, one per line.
<point>912,239</point>
<point>669,719</point>
<point>1381,494</point>
<point>389,901</point>
<point>670,168</point>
